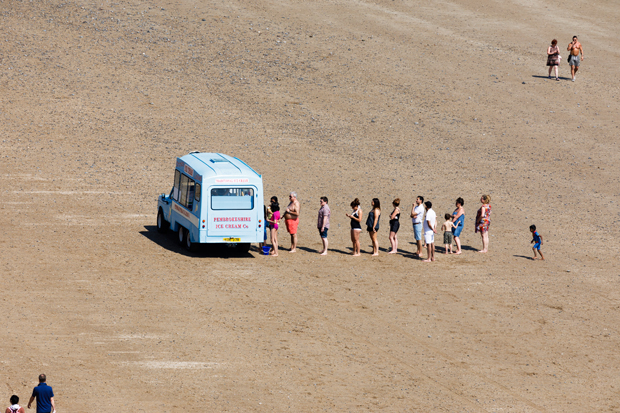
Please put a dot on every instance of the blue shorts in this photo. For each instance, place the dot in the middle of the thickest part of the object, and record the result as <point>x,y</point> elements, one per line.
<point>537,246</point>
<point>323,233</point>
<point>417,231</point>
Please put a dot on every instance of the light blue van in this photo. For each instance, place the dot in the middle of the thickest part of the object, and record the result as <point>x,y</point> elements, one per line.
<point>215,199</point>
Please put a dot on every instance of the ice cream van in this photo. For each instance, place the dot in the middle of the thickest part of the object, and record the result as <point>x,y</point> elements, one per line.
<point>215,199</point>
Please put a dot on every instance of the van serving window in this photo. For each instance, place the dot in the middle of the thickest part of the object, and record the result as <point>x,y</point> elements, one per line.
<point>232,198</point>
<point>187,192</point>
<point>177,185</point>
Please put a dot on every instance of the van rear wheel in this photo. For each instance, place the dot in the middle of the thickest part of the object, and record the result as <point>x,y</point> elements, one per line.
<point>243,248</point>
<point>188,242</point>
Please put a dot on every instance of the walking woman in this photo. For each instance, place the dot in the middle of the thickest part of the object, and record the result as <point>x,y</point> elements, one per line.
<point>273,225</point>
<point>458,219</point>
<point>372,224</point>
<point>394,225</point>
<point>483,221</point>
<point>553,58</point>
<point>356,226</point>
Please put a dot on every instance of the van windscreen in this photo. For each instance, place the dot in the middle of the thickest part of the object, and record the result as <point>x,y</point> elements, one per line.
<point>232,198</point>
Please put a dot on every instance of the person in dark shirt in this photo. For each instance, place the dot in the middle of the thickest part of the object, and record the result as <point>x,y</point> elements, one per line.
<point>44,395</point>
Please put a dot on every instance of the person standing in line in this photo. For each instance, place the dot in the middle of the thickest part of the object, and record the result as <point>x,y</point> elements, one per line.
<point>14,407</point>
<point>553,58</point>
<point>356,226</point>
<point>372,225</point>
<point>291,219</point>
<point>273,225</point>
<point>268,214</point>
<point>483,221</point>
<point>417,217</point>
<point>44,396</point>
<point>537,240</point>
<point>574,60</point>
<point>430,229</point>
<point>394,226</point>
<point>458,218</point>
<point>447,228</point>
<point>323,223</point>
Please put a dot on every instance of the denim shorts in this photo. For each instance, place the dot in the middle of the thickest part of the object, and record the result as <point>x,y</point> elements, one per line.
<point>323,233</point>
<point>417,231</point>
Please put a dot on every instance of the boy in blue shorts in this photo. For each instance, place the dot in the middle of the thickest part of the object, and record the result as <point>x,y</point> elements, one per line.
<point>537,240</point>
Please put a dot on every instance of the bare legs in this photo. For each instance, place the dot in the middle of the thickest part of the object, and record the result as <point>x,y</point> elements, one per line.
<point>556,71</point>
<point>485,241</point>
<point>375,243</point>
<point>419,251</point>
<point>293,243</point>
<point>393,242</point>
<point>458,245</point>
<point>573,71</point>
<point>274,242</point>
<point>355,239</point>
<point>430,249</point>
<point>541,254</point>
<point>325,244</point>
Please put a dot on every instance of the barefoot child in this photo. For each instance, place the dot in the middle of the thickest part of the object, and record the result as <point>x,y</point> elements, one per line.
<point>537,240</point>
<point>447,233</point>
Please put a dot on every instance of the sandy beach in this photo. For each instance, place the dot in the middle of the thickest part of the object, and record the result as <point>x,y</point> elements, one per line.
<point>345,99</point>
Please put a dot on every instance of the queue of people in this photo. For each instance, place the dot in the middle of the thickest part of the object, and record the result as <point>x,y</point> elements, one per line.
<point>424,221</point>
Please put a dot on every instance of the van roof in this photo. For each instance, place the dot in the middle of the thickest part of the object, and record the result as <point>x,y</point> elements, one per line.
<point>217,164</point>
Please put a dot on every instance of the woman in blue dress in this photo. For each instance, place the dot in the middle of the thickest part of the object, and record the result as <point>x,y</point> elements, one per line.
<point>458,218</point>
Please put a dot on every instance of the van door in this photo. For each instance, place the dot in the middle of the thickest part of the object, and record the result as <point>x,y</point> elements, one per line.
<point>232,212</point>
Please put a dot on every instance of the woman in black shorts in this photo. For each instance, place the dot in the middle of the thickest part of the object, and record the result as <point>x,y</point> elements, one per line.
<point>372,224</point>
<point>394,225</point>
<point>356,226</point>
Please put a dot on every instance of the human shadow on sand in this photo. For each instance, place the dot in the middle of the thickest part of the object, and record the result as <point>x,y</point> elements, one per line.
<point>168,241</point>
<point>523,256</point>
<point>552,77</point>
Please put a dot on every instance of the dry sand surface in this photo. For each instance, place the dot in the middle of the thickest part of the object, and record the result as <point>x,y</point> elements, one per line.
<point>384,98</point>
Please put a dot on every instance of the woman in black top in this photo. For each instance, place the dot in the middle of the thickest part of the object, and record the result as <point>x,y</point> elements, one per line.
<point>372,224</point>
<point>356,226</point>
<point>394,225</point>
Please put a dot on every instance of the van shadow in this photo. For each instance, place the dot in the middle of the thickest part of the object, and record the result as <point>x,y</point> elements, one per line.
<point>168,241</point>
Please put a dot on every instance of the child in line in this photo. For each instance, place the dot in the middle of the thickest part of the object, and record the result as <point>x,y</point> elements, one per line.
<point>448,237</point>
<point>537,240</point>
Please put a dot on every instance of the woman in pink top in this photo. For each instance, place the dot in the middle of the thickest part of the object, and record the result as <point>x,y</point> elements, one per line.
<point>273,225</point>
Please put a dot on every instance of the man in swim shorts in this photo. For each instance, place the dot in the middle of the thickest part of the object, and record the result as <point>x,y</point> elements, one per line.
<point>574,60</point>
<point>291,219</point>
<point>417,217</point>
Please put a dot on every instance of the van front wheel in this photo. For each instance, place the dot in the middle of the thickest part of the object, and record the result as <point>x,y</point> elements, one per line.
<point>181,234</point>
<point>162,224</point>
